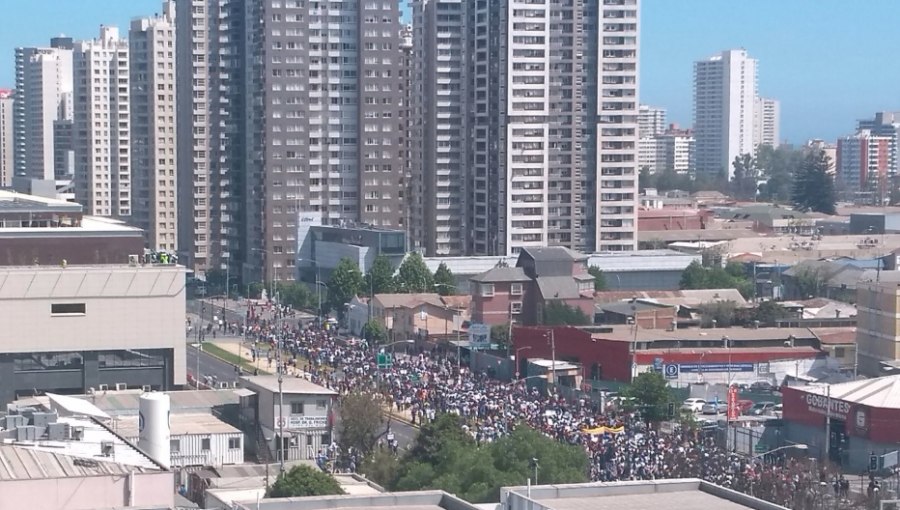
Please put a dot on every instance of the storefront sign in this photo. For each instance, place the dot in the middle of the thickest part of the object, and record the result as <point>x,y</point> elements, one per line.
<point>821,404</point>
<point>734,411</point>
<point>717,367</point>
<point>479,336</point>
<point>307,422</point>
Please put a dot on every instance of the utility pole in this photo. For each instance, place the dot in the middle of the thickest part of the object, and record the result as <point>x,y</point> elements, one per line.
<point>280,368</point>
<point>828,423</point>
<point>552,378</point>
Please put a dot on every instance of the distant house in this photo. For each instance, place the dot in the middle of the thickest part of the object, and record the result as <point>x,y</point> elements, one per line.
<point>410,316</point>
<point>520,294</point>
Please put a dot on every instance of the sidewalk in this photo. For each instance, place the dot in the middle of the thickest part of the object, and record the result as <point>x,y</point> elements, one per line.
<point>243,351</point>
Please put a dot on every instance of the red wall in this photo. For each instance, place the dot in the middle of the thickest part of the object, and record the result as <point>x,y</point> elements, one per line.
<point>878,424</point>
<point>578,346</point>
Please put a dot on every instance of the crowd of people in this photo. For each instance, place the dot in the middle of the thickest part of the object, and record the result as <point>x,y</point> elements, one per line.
<point>421,385</point>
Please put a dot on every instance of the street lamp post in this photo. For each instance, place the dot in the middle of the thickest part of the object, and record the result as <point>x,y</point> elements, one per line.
<point>525,348</point>
<point>319,285</point>
<point>278,345</point>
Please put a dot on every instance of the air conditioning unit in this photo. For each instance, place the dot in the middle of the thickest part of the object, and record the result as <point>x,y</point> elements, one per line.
<point>106,448</point>
<point>77,433</point>
<point>223,385</point>
<point>120,386</point>
<point>104,387</point>
<point>134,260</point>
<point>146,388</point>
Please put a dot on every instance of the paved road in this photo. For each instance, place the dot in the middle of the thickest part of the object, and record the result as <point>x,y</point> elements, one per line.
<point>210,365</point>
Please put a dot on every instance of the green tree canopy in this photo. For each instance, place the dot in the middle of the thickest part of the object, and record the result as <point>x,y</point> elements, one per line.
<point>413,275</point>
<point>476,473</point>
<point>303,481</point>
<point>746,175</point>
<point>559,313</point>
<point>297,295</point>
<point>380,277</point>
<point>374,332</point>
<point>361,422</point>
<point>722,312</point>
<point>435,436</point>
<point>444,281</point>
<point>813,186</point>
<point>733,276</point>
<point>599,278</point>
<point>344,284</point>
<point>500,334</point>
<point>652,395</point>
<point>768,312</point>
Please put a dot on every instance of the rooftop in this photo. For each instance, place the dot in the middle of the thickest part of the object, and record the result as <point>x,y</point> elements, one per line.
<point>502,274</point>
<point>552,254</point>
<point>627,333</point>
<point>179,425</point>
<point>415,500</point>
<point>117,403</point>
<point>24,463</point>
<point>289,385</point>
<point>689,298</point>
<point>683,494</point>
<point>10,201</point>
<point>879,392</point>
<point>408,300</point>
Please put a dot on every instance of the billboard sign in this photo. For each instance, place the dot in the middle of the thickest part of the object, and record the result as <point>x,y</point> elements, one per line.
<point>479,335</point>
<point>717,367</point>
<point>820,404</point>
<point>733,410</point>
<point>307,422</point>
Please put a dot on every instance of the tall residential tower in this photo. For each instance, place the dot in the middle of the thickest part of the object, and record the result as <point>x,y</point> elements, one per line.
<point>724,98</point>
<point>154,132</point>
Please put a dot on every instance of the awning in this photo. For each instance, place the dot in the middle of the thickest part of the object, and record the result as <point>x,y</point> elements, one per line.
<point>71,406</point>
<point>244,392</point>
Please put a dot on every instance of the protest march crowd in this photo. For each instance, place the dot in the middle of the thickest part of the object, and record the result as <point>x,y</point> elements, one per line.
<point>620,446</point>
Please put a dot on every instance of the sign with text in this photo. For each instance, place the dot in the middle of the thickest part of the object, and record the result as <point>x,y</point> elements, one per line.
<point>717,367</point>
<point>733,410</point>
<point>821,404</point>
<point>307,422</point>
<point>479,335</point>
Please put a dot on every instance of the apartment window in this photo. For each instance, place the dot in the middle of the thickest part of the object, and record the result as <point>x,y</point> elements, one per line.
<point>487,289</point>
<point>515,307</point>
<point>234,443</point>
<point>175,445</point>
<point>296,407</point>
<point>68,309</point>
<point>515,289</point>
<point>839,352</point>
<point>204,444</point>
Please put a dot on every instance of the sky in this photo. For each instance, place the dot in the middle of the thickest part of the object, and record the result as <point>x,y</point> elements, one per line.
<point>827,64</point>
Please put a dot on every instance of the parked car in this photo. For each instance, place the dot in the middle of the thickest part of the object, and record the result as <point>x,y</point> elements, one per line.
<point>762,408</point>
<point>744,406</point>
<point>777,410</point>
<point>714,408</point>
<point>693,405</point>
<point>762,387</point>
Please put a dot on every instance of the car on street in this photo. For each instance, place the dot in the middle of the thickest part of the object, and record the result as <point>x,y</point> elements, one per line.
<point>693,405</point>
<point>778,410</point>
<point>762,409</point>
<point>762,387</point>
<point>714,408</point>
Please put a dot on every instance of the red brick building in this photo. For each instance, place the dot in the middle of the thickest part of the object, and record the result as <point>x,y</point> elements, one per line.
<point>653,220</point>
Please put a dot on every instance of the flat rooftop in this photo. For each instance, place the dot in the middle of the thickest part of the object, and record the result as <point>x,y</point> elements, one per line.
<point>179,425</point>
<point>127,402</point>
<point>10,201</point>
<point>416,500</point>
<point>684,494</point>
<point>289,385</point>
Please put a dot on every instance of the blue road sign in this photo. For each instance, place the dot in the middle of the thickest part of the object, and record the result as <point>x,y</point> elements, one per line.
<point>671,371</point>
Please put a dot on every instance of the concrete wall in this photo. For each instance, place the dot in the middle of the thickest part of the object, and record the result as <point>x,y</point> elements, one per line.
<point>88,492</point>
<point>50,249</point>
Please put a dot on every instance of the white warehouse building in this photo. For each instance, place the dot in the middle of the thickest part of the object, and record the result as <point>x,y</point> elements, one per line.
<point>195,439</point>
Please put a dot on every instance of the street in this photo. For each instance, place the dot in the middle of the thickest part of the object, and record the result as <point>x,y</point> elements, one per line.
<point>209,365</point>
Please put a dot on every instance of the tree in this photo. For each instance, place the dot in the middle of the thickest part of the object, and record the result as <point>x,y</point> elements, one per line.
<point>813,186</point>
<point>444,281</point>
<point>476,473</point>
<point>255,290</point>
<point>381,466</point>
<point>746,175</point>
<point>344,284</point>
<point>733,276</point>
<point>302,481</point>
<point>812,281</point>
<point>297,295</point>
<point>500,334</point>
<point>437,435</point>
<point>379,277</point>
<point>559,313</point>
<point>413,275</point>
<point>374,332</point>
<point>722,312</point>
<point>599,278</point>
<point>768,312</point>
<point>215,279</point>
<point>361,423</point>
<point>652,395</point>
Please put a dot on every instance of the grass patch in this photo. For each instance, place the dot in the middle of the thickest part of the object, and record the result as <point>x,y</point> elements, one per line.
<point>230,357</point>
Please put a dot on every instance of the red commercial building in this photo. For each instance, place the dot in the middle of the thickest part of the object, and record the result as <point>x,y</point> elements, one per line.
<point>863,418</point>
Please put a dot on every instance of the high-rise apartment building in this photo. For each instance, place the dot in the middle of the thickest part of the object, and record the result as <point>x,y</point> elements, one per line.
<point>864,163</point>
<point>535,105</point>
<point>6,137</point>
<point>884,124</point>
<point>877,325</point>
<point>43,94</point>
<point>651,121</point>
<point>406,130</point>
<point>766,120</point>
<point>438,134</point>
<point>154,130</point>
<point>725,91</point>
<point>672,149</point>
<point>209,39</point>
<point>301,120</point>
<point>102,126</point>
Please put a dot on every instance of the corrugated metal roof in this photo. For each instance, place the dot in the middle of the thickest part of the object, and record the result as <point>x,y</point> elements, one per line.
<point>502,274</point>
<point>26,463</point>
<point>179,425</point>
<point>558,287</point>
<point>879,392</point>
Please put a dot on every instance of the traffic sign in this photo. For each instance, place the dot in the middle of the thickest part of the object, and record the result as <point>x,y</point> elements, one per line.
<point>760,448</point>
<point>280,422</point>
<point>657,364</point>
<point>671,371</point>
<point>384,360</point>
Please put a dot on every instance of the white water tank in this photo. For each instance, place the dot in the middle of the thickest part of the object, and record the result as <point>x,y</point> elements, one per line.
<point>153,424</point>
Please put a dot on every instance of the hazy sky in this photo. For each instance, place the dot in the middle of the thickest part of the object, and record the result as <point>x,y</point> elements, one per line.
<point>828,64</point>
